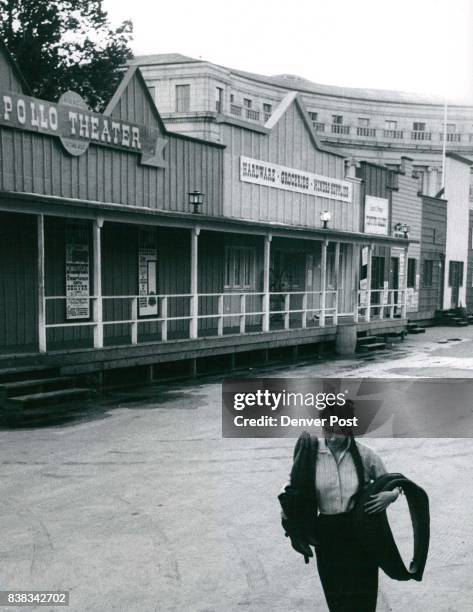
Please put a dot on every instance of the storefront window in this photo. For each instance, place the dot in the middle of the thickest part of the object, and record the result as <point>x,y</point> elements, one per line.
<point>239,267</point>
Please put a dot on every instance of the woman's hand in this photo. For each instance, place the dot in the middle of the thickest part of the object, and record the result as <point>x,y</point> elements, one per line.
<point>380,501</point>
<point>302,547</point>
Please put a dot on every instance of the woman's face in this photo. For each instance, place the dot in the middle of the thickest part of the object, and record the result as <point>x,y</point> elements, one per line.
<point>335,438</point>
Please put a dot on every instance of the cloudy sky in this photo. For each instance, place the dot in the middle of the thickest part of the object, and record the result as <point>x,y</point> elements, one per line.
<point>412,45</point>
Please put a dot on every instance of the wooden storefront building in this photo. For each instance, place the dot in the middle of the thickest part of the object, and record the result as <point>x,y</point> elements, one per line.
<point>104,264</point>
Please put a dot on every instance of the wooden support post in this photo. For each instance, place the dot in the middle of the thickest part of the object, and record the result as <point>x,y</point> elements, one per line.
<point>368,284</point>
<point>304,311</point>
<point>287,306</point>
<point>134,323</point>
<point>242,313</point>
<point>404,287</point>
<point>194,305</point>
<point>323,286</point>
<point>266,266</point>
<point>41,287</point>
<point>356,278</point>
<point>97,282</point>
<point>337,281</point>
<point>164,319</point>
<point>220,315</point>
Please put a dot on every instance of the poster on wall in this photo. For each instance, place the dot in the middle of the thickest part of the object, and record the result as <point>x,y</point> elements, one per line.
<point>77,271</point>
<point>147,273</point>
<point>376,215</point>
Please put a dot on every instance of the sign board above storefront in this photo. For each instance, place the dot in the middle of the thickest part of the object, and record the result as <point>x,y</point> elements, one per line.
<point>290,179</point>
<point>376,215</point>
<point>77,127</point>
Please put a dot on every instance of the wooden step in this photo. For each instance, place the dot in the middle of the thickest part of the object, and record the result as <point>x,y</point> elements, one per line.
<point>50,397</point>
<point>19,387</point>
<point>366,339</point>
<point>373,346</point>
<point>415,330</point>
<point>23,372</point>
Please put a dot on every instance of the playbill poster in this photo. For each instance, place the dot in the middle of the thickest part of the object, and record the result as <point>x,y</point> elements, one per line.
<point>147,274</point>
<point>77,272</point>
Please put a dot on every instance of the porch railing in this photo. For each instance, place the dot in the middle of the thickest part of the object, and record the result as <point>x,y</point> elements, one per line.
<point>379,304</point>
<point>188,316</point>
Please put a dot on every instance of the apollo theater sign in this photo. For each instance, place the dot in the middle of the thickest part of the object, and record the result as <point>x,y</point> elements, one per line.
<point>76,126</point>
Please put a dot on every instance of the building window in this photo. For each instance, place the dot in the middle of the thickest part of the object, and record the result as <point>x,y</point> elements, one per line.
<point>267,110</point>
<point>418,126</point>
<point>183,97</point>
<point>219,99</point>
<point>239,267</point>
<point>232,98</point>
<point>363,122</point>
<point>411,273</point>
<point>247,103</point>
<point>338,119</point>
<point>314,116</point>
<point>390,124</point>
<point>427,272</point>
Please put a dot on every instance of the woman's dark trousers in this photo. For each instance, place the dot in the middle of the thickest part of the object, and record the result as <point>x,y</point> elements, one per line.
<point>349,577</point>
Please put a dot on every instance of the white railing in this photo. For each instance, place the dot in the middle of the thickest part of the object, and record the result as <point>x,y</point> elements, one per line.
<point>214,313</point>
<point>379,304</point>
<point>190,316</point>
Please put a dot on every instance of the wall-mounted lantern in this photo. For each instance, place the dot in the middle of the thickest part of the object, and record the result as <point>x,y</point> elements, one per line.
<point>196,199</point>
<point>325,217</point>
<point>402,228</point>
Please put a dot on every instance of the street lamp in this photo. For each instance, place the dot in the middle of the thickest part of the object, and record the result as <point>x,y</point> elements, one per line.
<point>325,217</point>
<point>196,199</point>
<point>405,230</point>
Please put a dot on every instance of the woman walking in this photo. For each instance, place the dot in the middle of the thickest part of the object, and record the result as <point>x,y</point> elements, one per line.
<point>322,515</point>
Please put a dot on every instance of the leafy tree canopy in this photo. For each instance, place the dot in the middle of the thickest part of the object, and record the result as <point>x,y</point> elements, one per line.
<point>66,44</point>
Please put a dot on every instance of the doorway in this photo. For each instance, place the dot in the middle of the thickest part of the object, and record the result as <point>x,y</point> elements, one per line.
<point>394,281</point>
<point>455,281</point>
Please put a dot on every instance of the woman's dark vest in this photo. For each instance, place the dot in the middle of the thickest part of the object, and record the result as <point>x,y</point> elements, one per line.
<point>298,500</point>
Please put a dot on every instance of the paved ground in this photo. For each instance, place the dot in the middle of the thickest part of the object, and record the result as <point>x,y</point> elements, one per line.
<point>139,505</point>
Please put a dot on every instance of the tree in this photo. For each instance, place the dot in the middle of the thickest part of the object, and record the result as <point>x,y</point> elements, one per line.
<point>66,44</point>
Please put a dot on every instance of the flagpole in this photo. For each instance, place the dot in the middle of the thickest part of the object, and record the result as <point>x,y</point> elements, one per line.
<point>444,144</point>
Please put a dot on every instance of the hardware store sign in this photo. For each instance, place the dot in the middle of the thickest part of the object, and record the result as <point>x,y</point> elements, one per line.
<point>76,126</point>
<point>290,179</point>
